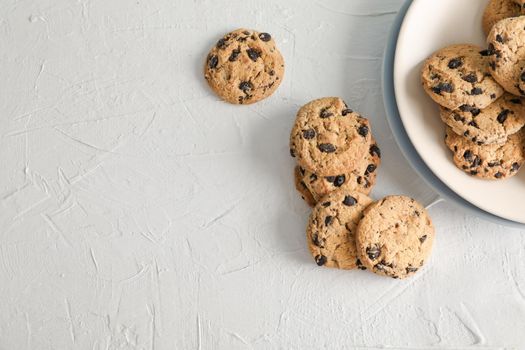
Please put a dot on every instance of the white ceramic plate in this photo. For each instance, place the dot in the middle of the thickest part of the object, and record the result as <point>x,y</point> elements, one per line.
<point>429,26</point>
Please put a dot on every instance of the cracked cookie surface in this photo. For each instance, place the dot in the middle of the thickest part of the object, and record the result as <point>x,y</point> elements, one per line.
<point>244,67</point>
<point>458,76</point>
<point>394,237</point>
<point>493,124</point>
<point>491,162</point>
<point>332,227</point>
<point>328,138</point>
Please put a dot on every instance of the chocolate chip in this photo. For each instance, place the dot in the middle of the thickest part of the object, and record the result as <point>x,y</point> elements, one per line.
<point>422,239</point>
<point>309,134</point>
<point>459,118</point>
<point>326,147</point>
<point>370,169</point>
<point>443,87</point>
<point>325,113</point>
<point>346,111</point>
<point>373,252</point>
<point>363,130</point>
<point>328,220</point>
<point>245,86</point>
<point>411,269</point>
<point>498,175</point>
<point>492,164</point>
<point>326,204</point>
<point>499,38</point>
<point>313,177</point>
<point>475,112</point>
<point>516,101</point>
<point>486,52</point>
<point>473,172</point>
<point>315,239</point>
<point>234,55</point>
<point>476,91</point>
<point>474,124</point>
<point>493,96</point>
<point>339,180</point>
<point>374,150</point>
<point>213,61</point>
<point>360,265</point>
<point>349,201</point>
<point>253,54</point>
<point>470,78</point>
<point>503,116</point>
<point>265,37</point>
<point>246,32</point>
<point>292,153</point>
<point>492,65</point>
<point>476,162</point>
<point>221,44</point>
<point>455,63</point>
<point>383,265</point>
<point>515,167</point>
<point>320,260</point>
<point>468,155</point>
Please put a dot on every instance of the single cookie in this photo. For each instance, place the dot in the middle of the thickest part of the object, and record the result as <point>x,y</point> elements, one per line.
<point>244,67</point>
<point>394,237</point>
<point>494,124</point>
<point>361,180</point>
<point>332,226</point>
<point>328,138</point>
<point>458,76</point>
<point>301,187</point>
<point>487,161</point>
<point>507,54</point>
<point>497,10</point>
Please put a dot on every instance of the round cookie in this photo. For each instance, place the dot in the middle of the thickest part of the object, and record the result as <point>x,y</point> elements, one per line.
<point>506,43</point>
<point>361,180</point>
<point>328,138</point>
<point>301,187</point>
<point>332,226</point>
<point>497,10</point>
<point>458,76</point>
<point>244,67</point>
<point>394,237</point>
<point>493,124</point>
<point>490,162</point>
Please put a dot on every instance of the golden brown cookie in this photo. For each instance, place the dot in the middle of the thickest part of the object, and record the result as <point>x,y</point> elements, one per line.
<point>394,237</point>
<point>244,67</point>
<point>506,43</point>
<point>497,10</point>
<point>328,138</point>
<point>458,76</point>
<point>301,187</point>
<point>493,124</point>
<point>361,180</point>
<point>331,229</point>
<point>490,162</point>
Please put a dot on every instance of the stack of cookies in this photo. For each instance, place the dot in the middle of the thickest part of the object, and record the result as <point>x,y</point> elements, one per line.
<point>334,148</point>
<point>480,93</point>
<point>337,159</point>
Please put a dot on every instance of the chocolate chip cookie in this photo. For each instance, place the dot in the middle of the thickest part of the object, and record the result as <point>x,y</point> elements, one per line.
<point>458,76</point>
<point>328,138</point>
<point>506,45</point>
<point>491,162</point>
<point>361,180</point>
<point>497,10</point>
<point>493,124</point>
<point>244,67</point>
<point>332,226</point>
<point>301,187</point>
<point>394,237</point>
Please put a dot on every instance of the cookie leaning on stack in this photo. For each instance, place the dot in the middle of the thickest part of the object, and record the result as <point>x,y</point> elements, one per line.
<point>334,148</point>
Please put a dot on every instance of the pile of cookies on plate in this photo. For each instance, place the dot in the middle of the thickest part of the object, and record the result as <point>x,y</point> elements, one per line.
<point>480,92</point>
<point>337,160</point>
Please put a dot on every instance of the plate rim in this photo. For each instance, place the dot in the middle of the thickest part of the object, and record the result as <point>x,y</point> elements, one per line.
<point>400,135</point>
